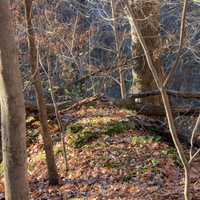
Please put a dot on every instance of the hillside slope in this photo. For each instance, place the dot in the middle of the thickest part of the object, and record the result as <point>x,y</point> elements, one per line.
<point>107,159</point>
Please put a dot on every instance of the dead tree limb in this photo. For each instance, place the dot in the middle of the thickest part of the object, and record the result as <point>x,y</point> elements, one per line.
<point>186,95</point>
<point>129,103</point>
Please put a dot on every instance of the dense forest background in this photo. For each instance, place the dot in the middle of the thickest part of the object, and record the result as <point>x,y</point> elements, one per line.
<point>80,40</point>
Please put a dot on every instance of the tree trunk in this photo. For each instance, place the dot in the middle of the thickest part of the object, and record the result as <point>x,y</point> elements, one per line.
<point>48,145</point>
<point>165,98</point>
<point>119,66</point>
<point>149,12</point>
<point>12,111</point>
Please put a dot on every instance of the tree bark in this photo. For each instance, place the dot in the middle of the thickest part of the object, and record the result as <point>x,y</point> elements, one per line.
<point>148,15</point>
<point>48,145</point>
<point>12,111</point>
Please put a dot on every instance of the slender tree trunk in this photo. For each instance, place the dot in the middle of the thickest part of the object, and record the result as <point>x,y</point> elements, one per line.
<point>117,44</point>
<point>12,111</point>
<point>122,84</point>
<point>57,113</point>
<point>48,145</point>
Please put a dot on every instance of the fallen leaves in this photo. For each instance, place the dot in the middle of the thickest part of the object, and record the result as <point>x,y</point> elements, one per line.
<point>131,165</point>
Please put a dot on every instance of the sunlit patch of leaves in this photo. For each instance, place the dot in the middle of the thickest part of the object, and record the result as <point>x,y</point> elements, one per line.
<point>40,157</point>
<point>145,139</point>
<point>57,150</point>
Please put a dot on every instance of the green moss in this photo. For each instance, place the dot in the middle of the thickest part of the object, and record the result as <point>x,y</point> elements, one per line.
<point>142,169</point>
<point>78,136</point>
<point>172,153</point>
<point>81,133</point>
<point>32,136</point>
<point>146,139</point>
<point>155,162</point>
<point>75,128</point>
<point>96,121</point>
<point>31,167</point>
<point>150,166</point>
<point>115,128</point>
<point>40,156</point>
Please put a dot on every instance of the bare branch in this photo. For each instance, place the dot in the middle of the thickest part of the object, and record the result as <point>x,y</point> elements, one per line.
<point>181,43</point>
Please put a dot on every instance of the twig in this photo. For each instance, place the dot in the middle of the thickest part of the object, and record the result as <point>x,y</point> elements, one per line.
<point>194,156</point>
<point>181,43</point>
<point>192,137</point>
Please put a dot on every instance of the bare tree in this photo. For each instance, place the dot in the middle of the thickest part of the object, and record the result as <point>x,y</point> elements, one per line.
<point>12,111</point>
<point>57,113</point>
<point>162,86</point>
<point>48,145</point>
<point>117,44</point>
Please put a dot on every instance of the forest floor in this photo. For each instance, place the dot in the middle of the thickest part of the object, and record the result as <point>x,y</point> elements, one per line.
<point>114,163</point>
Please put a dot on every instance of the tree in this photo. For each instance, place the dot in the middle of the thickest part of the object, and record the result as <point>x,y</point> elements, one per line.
<point>12,111</point>
<point>121,78</point>
<point>48,145</point>
<point>162,86</point>
<point>148,13</point>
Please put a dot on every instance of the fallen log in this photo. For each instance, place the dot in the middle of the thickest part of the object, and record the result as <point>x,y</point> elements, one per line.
<point>153,110</point>
<point>32,106</point>
<point>130,103</point>
<point>82,102</point>
<point>186,95</point>
<point>62,106</point>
